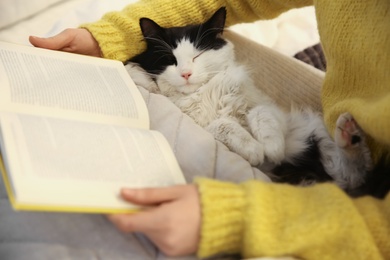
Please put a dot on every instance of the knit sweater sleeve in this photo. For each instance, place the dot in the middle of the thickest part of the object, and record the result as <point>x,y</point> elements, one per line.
<point>266,219</point>
<point>119,35</point>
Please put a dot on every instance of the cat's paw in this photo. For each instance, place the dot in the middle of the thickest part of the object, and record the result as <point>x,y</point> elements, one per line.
<point>253,152</point>
<point>267,125</point>
<point>274,147</point>
<point>237,139</point>
<point>347,133</point>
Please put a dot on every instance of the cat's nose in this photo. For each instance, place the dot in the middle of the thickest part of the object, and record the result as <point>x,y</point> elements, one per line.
<point>186,75</point>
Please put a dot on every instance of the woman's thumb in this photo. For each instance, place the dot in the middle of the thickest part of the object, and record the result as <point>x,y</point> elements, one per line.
<point>56,42</point>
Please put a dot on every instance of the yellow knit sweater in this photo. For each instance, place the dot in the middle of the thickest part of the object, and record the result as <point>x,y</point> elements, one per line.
<point>260,219</point>
<point>319,222</point>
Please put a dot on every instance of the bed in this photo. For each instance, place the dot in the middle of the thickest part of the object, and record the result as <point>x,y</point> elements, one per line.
<point>36,235</point>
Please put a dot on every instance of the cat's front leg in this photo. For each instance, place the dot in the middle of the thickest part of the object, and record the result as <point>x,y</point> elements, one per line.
<point>237,139</point>
<point>141,77</point>
<point>268,125</point>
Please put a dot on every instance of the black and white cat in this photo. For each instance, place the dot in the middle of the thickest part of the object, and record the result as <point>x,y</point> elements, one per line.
<point>196,70</point>
<point>195,67</point>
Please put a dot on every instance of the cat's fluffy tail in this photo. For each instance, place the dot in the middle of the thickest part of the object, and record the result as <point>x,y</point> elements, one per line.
<point>302,125</point>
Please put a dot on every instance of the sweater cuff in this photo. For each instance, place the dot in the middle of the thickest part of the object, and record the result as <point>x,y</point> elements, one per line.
<point>119,37</point>
<point>222,222</point>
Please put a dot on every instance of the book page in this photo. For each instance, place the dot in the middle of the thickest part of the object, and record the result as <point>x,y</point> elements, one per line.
<point>56,161</point>
<point>64,85</point>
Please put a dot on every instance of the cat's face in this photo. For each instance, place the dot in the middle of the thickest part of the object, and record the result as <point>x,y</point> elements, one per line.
<point>185,57</point>
<point>194,66</point>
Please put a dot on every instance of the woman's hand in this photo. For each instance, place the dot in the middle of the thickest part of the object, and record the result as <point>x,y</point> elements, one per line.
<point>78,41</point>
<point>172,222</point>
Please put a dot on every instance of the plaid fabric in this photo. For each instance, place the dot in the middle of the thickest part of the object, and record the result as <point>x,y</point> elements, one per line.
<point>314,56</point>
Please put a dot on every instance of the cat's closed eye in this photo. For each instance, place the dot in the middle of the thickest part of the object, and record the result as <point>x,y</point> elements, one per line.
<point>193,59</point>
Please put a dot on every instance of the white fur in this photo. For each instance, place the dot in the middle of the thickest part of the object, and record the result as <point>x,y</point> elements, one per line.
<point>219,95</point>
<point>141,78</point>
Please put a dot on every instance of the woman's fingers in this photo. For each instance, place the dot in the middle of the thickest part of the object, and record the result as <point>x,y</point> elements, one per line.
<point>146,219</point>
<point>153,196</point>
<point>138,222</point>
<point>173,224</point>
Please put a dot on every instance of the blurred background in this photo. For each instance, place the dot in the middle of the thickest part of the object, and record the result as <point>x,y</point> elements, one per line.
<point>290,33</point>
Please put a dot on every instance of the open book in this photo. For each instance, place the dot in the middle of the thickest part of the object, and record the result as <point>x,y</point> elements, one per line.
<point>74,130</point>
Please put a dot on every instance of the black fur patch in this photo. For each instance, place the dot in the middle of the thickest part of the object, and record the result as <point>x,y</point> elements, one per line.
<point>162,41</point>
<point>377,183</point>
<point>306,168</point>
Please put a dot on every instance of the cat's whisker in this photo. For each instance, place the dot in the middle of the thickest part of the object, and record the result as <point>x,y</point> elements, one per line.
<point>152,74</point>
<point>164,51</point>
<point>162,56</point>
<point>197,39</point>
<point>204,35</point>
<point>162,42</point>
<point>209,73</point>
<point>211,69</point>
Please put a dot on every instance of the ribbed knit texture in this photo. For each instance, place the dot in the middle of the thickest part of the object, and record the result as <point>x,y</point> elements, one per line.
<point>356,39</point>
<point>223,208</point>
<point>265,219</point>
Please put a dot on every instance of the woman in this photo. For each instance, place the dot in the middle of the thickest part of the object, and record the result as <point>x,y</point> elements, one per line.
<point>255,218</point>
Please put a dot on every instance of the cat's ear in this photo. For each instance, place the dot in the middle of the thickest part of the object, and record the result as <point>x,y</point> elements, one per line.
<point>217,21</point>
<point>149,28</point>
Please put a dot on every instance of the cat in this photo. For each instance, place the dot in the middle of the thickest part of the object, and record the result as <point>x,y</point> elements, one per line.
<point>195,67</point>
